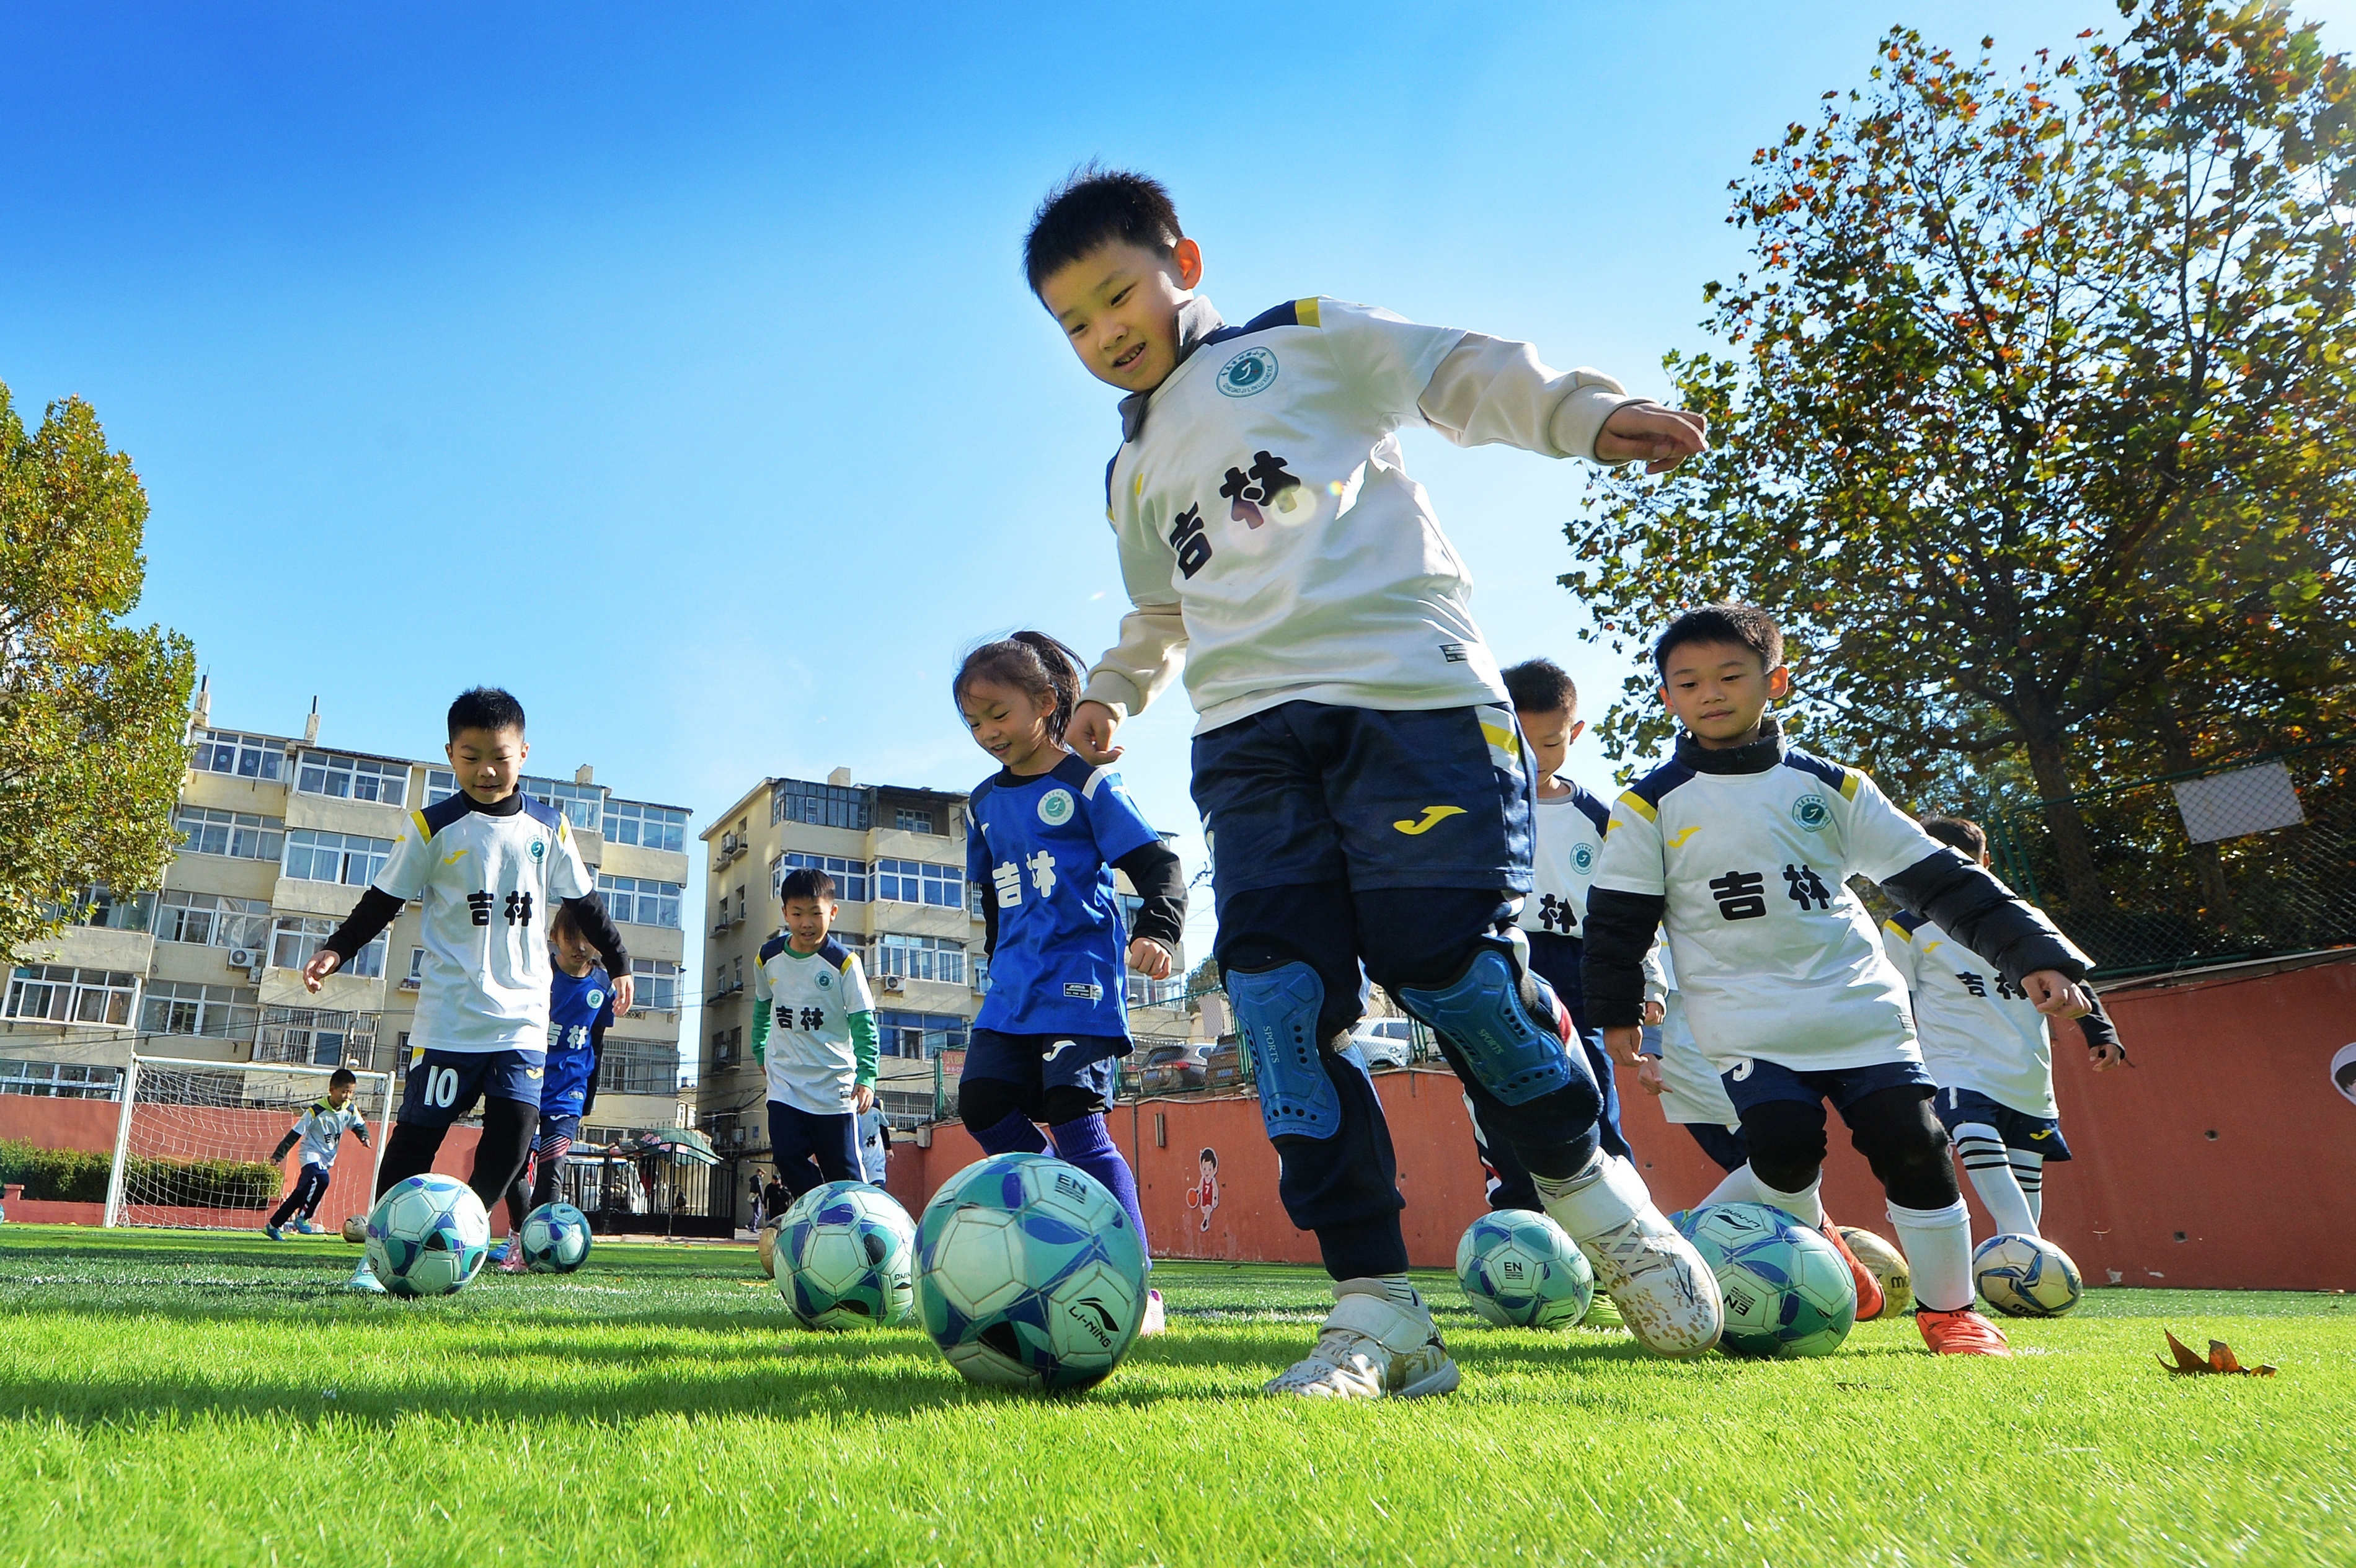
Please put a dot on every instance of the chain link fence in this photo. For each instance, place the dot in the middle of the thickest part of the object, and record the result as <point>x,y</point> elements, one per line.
<point>2249,859</point>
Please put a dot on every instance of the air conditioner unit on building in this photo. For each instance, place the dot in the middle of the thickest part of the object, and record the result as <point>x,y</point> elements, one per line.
<point>893,982</point>
<point>411,984</point>
<point>244,958</point>
<point>729,844</point>
<point>254,974</point>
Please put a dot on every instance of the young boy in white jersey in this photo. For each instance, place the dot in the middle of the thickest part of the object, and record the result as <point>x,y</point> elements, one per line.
<point>814,1036</point>
<point>1743,846</point>
<point>1359,775</point>
<point>1988,1048</point>
<point>488,864</point>
<point>320,1131</point>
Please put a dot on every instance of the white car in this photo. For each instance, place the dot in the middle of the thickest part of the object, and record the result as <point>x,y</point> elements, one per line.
<point>1386,1043</point>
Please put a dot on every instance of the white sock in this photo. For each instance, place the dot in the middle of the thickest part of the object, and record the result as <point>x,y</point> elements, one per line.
<point>1804,1206</point>
<point>1739,1187</point>
<point>1938,1247</point>
<point>1600,1198</point>
<point>1984,1159</point>
<point>2029,1170</point>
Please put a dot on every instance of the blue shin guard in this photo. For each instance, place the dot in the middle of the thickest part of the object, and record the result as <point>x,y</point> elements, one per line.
<point>1085,1142</point>
<point>1276,1012</point>
<point>1502,1020</point>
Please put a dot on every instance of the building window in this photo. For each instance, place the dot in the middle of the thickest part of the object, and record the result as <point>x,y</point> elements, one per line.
<point>239,756</point>
<point>657,985</point>
<point>1140,992</point>
<point>920,958</point>
<point>636,1067</point>
<point>353,778</point>
<point>320,1038</point>
<point>61,1081</point>
<point>821,805</point>
<point>648,827</point>
<point>347,858</point>
<point>978,968</point>
<point>440,785</point>
<point>416,976</point>
<point>60,993</point>
<point>637,901</point>
<point>241,835</point>
<point>103,908</point>
<point>582,804</point>
<point>296,937</point>
<point>850,876</point>
<point>911,820</point>
<point>184,1007</point>
<point>920,881</point>
<point>213,920</point>
<point>727,1046</point>
<point>919,1034</point>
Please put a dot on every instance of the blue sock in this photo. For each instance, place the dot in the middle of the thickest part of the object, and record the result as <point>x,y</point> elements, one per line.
<point>1014,1133</point>
<point>1085,1144</point>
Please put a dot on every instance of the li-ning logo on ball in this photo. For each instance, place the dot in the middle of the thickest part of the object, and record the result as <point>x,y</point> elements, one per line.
<point>1810,812</point>
<point>1055,808</point>
<point>1095,1317</point>
<point>1253,370</point>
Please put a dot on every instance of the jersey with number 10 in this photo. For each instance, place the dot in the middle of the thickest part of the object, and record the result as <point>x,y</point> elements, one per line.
<point>1043,847</point>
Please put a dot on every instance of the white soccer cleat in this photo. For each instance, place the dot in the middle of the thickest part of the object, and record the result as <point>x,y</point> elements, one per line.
<point>1370,1348</point>
<point>1154,1321</point>
<point>1664,1292</point>
<point>364,1280</point>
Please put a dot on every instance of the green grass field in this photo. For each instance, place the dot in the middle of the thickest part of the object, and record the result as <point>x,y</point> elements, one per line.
<point>175,1399</point>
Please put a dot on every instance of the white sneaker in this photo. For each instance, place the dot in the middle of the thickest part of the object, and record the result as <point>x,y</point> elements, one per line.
<point>1370,1348</point>
<point>1666,1294</point>
<point>364,1279</point>
<point>1155,1320</point>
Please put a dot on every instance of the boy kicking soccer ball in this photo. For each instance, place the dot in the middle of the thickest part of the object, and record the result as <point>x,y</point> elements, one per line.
<point>814,1036</point>
<point>1744,845</point>
<point>1363,785</point>
<point>1988,1048</point>
<point>580,1011</point>
<point>320,1131</point>
<point>488,864</point>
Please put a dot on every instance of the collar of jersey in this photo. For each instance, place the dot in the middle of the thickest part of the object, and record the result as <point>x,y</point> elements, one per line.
<point>1757,756</point>
<point>506,807</point>
<point>1198,319</point>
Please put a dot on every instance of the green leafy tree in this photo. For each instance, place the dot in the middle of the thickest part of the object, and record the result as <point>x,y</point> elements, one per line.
<point>2031,417</point>
<point>93,712</point>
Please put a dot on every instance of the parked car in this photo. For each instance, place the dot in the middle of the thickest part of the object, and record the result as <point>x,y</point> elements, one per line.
<point>1223,1066</point>
<point>1386,1043</point>
<point>1172,1067</point>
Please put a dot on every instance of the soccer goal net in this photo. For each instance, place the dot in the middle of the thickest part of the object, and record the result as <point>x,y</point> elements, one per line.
<point>193,1144</point>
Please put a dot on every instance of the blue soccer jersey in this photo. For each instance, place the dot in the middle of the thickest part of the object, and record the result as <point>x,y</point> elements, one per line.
<point>580,1010</point>
<point>1043,850</point>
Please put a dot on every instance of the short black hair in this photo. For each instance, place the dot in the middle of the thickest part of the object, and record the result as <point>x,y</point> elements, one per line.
<point>485,707</point>
<point>1212,1155</point>
<point>342,1076</point>
<point>1541,686</point>
<point>806,882</point>
<point>1095,206</point>
<point>1959,833</point>
<point>1743,626</point>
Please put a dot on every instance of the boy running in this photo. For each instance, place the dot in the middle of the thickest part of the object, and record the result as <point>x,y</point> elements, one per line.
<point>1746,844</point>
<point>1362,782</point>
<point>814,1036</point>
<point>320,1131</point>
<point>490,864</point>
<point>580,1011</point>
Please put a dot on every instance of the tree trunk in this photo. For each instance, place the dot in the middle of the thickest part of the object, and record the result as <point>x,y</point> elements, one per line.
<point>2048,763</point>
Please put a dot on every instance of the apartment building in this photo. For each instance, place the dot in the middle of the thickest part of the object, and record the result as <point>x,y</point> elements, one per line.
<point>897,853</point>
<point>280,834</point>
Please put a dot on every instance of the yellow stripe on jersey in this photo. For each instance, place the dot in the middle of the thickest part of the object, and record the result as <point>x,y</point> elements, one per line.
<point>1904,935</point>
<point>1503,735</point>
<point>1850,779</point>
<point>1304,311</point>
<point>424,833</point>
<point>1636,803</point>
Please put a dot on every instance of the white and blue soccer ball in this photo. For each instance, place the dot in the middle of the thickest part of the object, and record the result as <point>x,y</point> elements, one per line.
<point>2026,1276</point>
<point>1029,1274</point>
<point>427,1236</point>
<point>845,1257</point>
<point>1788,1291</point>
<point>1521,1270</point>
<point>555,1238</point>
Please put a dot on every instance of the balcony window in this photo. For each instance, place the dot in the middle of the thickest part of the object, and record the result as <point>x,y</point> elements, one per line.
<point>353,778</point>
<point>60,993</point>
<point>850,876</point>
<point>348,858</point>
<point>184,1007</point>
<point>238,756</point>
<point>920,958</point>
<point>648,827</point>
<point>639,901</point>
<point>582,804</point>
<point>920,881</point>
<point>821,805</point>
<point>241,835</point>
<point>213,920</point>
<point>296,938</point>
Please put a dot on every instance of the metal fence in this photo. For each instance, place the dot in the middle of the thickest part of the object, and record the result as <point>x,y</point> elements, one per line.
<point>2246,859</point>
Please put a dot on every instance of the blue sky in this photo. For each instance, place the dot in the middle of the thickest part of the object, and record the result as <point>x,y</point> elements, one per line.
<point>671,365</point>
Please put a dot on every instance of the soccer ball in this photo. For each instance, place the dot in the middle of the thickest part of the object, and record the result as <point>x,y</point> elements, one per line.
<point>555,1238</point>
<point>427,1236</point>
<point>2026,1276</point>
<point>768,1245</point>
<point>356,1229</point>
<point>844,1254</point>
<point>1889,1267</point>
<point>1787,1290</point>
<point>1029,1274</point>
<point>1520,1271</point>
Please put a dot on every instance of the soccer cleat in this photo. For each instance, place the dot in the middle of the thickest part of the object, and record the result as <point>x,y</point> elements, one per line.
<point>1154,1321</point>
<point>1602,1314</point>
<point>1869,1289</point>
<point>1370,1348</point>
<point>1962,1332</point>
<point>306,1227</point>
<point>511,1262</point>
<point>273,1232</point>
<point>364,1280</point>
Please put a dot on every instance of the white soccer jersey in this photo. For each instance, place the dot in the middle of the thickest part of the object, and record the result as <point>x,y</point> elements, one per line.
<point>489,883</point>
<point>1271,536</point>
<point>1978,1031</point>
<point>1775,957</point>
<point>813,1061</point>
<point>1569,837</point>
<point>1691,1089</point>
<point>323,1128</point>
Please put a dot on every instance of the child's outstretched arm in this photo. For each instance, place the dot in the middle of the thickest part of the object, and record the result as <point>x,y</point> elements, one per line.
<point>589,918</point>
<point>1492,390</point>
<point>1160,881</point>
<point>294,1136</point>
<point>1132,672</point>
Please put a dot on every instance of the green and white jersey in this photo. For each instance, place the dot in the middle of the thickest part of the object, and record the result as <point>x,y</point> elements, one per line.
<point>814,1020</point>
<point>1978,1031</point>
<point>322,1130</point>
<point>489,881</point>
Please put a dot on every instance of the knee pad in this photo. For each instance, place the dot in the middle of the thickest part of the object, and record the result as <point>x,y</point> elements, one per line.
<point>1502,1019</point>
<point>984,1102</point>
<point>1276,1012</point>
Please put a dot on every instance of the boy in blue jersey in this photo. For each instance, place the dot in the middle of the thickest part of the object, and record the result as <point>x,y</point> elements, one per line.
<point>1363,785</point>
<point>320,1131</point>
<point>814,1036</point>
<point>580,1011</point>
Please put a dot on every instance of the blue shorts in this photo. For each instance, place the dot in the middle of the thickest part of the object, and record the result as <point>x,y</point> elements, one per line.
<point>2037,1134</point>
<point>555,1130</point>
<point>1756,1082</point>
<point>1037,1063</point>
<point>444,1085</point>
<point>1305,792</point>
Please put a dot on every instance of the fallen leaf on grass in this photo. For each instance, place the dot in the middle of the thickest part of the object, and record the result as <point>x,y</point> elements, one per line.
<point>2221,1359</point>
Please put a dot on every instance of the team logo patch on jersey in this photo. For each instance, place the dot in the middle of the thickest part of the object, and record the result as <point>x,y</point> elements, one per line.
<point>1810,812</point>
<point>825,980</point>
<point>538,848</point>
<point>1582,858</point>
<point>596,1000</point>
<point>1055,808</point>
<point>1253,370</point>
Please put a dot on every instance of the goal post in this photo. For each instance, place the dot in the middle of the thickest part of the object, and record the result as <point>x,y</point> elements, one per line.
<point>193,1141</point>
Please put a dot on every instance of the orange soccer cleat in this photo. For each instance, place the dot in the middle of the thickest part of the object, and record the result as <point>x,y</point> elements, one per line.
<point>1869,1289</point>
<point>1962,1332</point>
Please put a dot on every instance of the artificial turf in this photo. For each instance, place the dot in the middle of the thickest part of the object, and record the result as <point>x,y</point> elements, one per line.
<point>187,1398</point>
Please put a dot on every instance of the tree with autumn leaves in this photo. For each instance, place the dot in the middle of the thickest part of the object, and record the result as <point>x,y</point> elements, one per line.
<point>2031,419</point>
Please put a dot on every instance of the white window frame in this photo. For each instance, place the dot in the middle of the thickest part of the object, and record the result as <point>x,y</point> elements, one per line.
<point>294,938</point>
<point>211,1011</point>
<point>254,756</point>
<point>243,835</point>
<point>638,889</point>
<point>352,852</point>
<point>228,921</point>
<point>104,997</point>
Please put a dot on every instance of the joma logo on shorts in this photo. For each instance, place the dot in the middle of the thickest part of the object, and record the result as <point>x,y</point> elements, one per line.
<point>1432,816</point>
